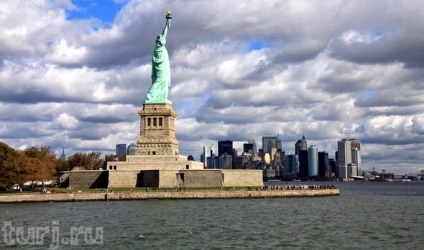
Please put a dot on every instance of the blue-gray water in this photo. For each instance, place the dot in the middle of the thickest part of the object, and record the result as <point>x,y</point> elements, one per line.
<point>364,216</point>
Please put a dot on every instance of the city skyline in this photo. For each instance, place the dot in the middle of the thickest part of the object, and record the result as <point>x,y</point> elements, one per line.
<point>73,74</point>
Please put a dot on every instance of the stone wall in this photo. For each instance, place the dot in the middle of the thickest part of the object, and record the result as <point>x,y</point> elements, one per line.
<point>165,178</point>
<point>146,162</point>
<point>201,178</point>
<point>168,178</point>
<point>88,179</point>
<point>181,178</point>
<point>122,179</point>
<point>242,178</point>
<point>148,178</point>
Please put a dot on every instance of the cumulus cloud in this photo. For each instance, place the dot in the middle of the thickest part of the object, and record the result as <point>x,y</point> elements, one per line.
<point>67,121</point>
<point>240,70</point>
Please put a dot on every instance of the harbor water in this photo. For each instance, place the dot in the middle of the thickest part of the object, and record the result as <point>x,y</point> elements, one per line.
<point>366,215</point>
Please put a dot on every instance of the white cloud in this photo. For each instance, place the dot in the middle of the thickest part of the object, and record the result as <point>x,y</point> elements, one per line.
<point>67,121</point>
<point>240,70</point>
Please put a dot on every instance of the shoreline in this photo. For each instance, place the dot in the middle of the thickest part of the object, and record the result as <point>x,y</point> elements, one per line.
<point>164,195</point>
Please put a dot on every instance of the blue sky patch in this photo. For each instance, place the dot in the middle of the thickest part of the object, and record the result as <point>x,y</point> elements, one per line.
<point>369,93</point>
<point>258,45</point>
<point>185,105</point>
<point>104,10</point>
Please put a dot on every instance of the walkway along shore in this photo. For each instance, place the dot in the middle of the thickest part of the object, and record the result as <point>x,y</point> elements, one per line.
<point>192,194</point>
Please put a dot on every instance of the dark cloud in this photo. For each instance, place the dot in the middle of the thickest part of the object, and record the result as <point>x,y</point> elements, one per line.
<point>397,47</point>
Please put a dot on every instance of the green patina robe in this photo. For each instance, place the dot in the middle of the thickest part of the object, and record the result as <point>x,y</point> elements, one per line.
<point>161,70</point>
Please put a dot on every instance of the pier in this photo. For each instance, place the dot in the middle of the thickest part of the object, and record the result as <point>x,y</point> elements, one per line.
<point>162,195</point>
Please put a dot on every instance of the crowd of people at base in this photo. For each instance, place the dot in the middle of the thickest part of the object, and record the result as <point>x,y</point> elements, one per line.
<point>299,187</point>
<point>179,189</point>
<point>101,190</point>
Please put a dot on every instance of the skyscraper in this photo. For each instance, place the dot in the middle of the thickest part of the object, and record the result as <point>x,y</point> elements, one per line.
<point>303,163</point>
<point>225,161</point>
<point>121,150</point>
<point>255,148</point>
<point>279,143</point>
<point>269,142</point>
<point>291,164</point>
<point>349,157</point>
<point>312,161</point>
<point>356,159</point>
<point>301,145</point>
<point>355,143</point>
<point>323,164</point>
<point>225,147</point>
<point>205,154</point>
<point>344,157</point>
<point>63,156</point>
<point>248,148</point>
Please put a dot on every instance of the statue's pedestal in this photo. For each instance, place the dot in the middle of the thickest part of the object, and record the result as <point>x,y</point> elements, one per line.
<point>157,130</point>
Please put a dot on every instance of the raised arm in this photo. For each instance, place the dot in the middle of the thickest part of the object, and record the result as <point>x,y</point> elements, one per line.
<point>168,24</point>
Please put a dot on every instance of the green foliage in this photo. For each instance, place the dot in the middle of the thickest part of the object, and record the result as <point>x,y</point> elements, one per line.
<point>62,165</point>
<point>7,157</point>
<point>90,161</point>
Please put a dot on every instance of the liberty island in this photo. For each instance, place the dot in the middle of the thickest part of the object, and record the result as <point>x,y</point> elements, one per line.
<point>156,164</point>
<point>156,161</point>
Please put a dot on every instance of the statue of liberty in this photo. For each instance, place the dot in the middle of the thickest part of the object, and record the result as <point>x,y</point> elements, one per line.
<point>161,70</point>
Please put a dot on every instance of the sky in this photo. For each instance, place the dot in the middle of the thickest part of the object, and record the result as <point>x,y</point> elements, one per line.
<point>73,74</point>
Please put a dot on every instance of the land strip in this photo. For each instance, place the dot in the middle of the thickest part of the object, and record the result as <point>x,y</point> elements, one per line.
<point>192,194</point>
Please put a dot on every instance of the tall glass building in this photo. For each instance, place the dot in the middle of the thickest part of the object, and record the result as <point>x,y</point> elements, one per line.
<point>121,149</point>
<point>312,161</point>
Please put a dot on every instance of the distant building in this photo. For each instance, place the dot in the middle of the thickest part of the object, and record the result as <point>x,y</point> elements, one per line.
<point>225,147</point>
<point>205,155</point>
<point>121,150</point>
<point>212,162</point>
<point>355,143</point>
<point>131,149</point>
<point>333,167</point>
<point>63,156</point>
<point>269,142</point>
<point>344,153</point>
<point>323,164</point>
<point>312,161</point>
<point>349,158</point>
<point>303,163</point>
<point>279,143</point>
<point>291,165</point>
<point>250,148</point>
<point>242,162</point>
<point>213,150</point>
<point>301,144</point>
<point>356,159</point>
<point>225,161</point>
<point>278,163</point>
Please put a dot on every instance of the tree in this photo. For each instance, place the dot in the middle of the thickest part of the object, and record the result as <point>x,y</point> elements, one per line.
<point>20,166</point>
<point>91,161</point>
<point>41,163</point>
<point>7,158</point>
<point>62,165</point>
<point>123,158</point>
